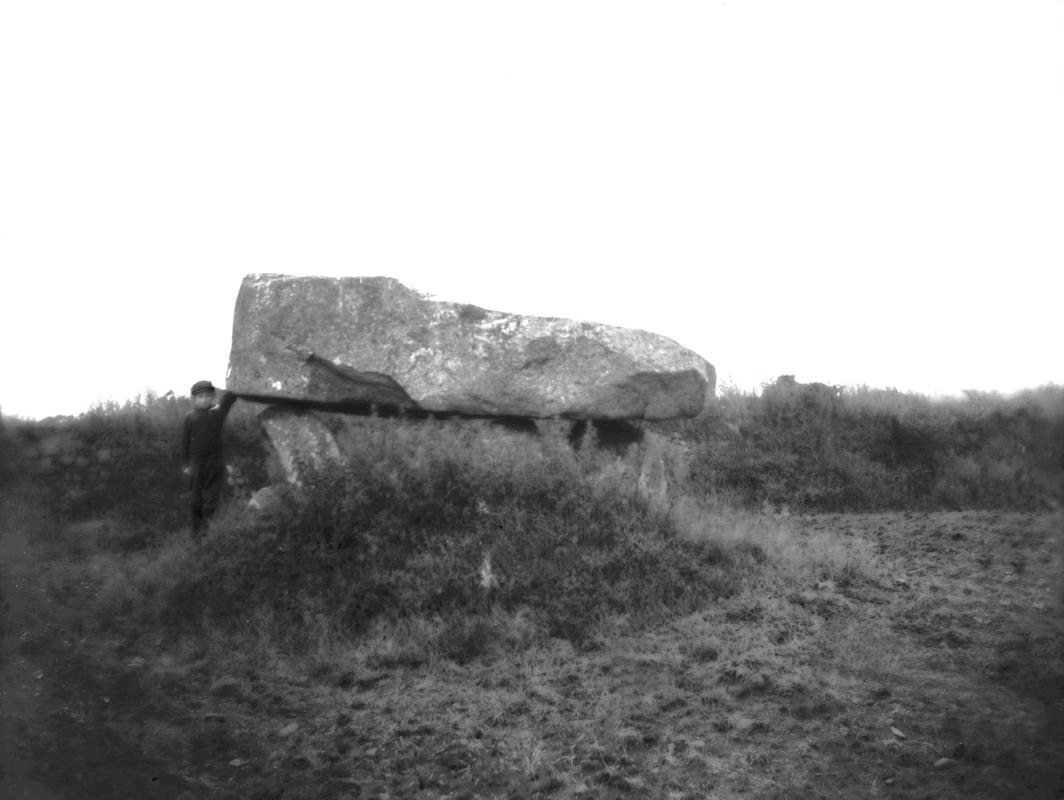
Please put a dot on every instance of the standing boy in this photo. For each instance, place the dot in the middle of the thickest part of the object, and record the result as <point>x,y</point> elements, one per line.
<point>201,449</point>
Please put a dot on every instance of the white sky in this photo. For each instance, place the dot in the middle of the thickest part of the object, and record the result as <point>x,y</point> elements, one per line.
<point>852,192</point>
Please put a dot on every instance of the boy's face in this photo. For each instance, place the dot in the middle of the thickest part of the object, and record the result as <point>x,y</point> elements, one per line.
<point>203,399</point>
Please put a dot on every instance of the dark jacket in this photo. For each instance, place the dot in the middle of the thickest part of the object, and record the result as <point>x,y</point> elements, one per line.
<point>202,435</point>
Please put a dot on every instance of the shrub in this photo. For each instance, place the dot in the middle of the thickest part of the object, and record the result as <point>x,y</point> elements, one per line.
<point>824,448</point>
<point>124,461</point>
<point>12,453</point>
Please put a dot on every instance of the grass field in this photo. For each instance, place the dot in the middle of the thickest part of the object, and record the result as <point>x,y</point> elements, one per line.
<point>450,619</point>
<point>875,655</point>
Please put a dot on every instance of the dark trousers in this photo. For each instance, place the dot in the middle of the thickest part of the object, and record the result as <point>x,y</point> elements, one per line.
<point>206,479</point>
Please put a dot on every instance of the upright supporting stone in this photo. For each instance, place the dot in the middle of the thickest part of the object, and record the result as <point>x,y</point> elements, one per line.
<point>301,441</point>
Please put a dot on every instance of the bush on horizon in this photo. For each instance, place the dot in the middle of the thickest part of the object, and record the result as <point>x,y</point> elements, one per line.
<point>825,448</point>
<point>141,482</point>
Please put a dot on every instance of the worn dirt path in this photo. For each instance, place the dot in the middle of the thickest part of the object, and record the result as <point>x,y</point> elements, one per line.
<point>56,740</point>
<point>20,691</point>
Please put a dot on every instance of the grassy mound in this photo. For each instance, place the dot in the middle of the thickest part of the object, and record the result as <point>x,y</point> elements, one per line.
<point>432,530</point>
<point>441,525</point>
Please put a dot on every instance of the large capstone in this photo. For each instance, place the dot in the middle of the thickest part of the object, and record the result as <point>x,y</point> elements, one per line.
<point>361,343</point>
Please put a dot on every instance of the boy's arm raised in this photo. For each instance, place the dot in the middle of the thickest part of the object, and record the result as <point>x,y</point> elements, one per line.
<point>227,401</point>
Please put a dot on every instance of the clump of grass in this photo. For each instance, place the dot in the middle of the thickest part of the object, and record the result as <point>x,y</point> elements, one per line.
<point>801,557</point>
<point>128,587</point>
<point>465,639</point>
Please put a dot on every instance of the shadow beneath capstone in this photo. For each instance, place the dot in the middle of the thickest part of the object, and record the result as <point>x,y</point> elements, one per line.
<point>613,434</point>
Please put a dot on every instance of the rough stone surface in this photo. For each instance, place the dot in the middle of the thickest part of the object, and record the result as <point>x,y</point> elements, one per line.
<point>300,440</point>
<point>361,342</point>
<point>266,500</point>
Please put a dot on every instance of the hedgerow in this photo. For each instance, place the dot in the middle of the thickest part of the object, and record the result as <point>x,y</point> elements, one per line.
<point>817,447</point>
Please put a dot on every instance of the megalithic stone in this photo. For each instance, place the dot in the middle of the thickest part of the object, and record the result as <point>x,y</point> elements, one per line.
<point>363,342</point>
<point>302,442</point>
